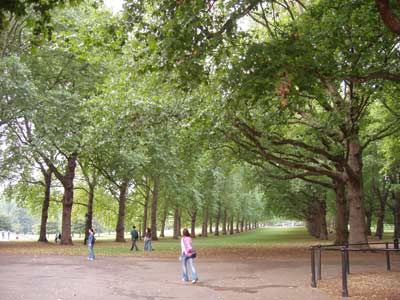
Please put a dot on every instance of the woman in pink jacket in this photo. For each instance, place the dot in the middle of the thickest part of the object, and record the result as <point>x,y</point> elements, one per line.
<point>187,256</point>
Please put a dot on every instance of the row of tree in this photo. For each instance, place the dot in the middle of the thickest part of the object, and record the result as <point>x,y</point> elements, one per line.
<point>183,111</point>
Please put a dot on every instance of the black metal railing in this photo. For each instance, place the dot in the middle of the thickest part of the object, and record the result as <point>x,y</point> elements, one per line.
<point>316,266</point>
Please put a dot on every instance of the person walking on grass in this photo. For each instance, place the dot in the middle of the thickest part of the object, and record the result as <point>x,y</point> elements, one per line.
<point>134,238</point>
<point>147,240</point>
<point>187,256</point>
<point>91,240</point>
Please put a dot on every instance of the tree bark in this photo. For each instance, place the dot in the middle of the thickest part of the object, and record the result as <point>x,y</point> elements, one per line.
<point>204,227</point>
<point>193,223</point>
<point>368,221</point>
<point>176,223</point>
<point>396,214</point>
<point>210,225</point>
<point>45,206</point>
<point>68,200</point>
<point>388,16</point>
<point>231,230</point>
<point>382,196</point>
<point>224,221</point>
<point>316,217</point>
<point>120,229</point>
<point>341,224</point>
<point>163,220</point>
<point>154,208</point>
<point>355,191</point>
<point>324,227</point>
<point>89,214</point>
<point>145,211</point>
<point>217,220</point>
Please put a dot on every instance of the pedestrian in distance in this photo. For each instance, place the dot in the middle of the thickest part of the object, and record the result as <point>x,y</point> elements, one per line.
<point>134,238</point>
<point>147,240</point>
<point>90,242</point>
<point>187,257</point>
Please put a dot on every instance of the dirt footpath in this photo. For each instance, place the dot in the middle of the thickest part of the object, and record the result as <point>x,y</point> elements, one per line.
<point>112,278</point>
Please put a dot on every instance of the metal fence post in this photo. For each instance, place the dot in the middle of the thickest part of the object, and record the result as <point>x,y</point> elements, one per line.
<point>319,263</point>
<point>387,257</point>
<point>345,292</point>
<point>347,258</point>
<point>313,281</point>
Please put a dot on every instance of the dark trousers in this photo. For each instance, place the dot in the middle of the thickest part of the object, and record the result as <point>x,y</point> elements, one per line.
<point>134,245</point>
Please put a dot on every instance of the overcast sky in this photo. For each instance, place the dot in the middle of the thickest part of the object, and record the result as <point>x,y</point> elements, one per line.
<point>115,5</point>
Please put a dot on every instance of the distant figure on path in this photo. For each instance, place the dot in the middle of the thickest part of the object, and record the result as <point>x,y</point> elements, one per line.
<point>187,256</point>
<point>147,240</point>
<point>90,242</point>
<point>58,237</point>
<point>134,238</point>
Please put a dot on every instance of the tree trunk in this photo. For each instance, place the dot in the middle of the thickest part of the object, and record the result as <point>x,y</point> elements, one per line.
<point>193,224</point>
<point>145,211</point>
<point>68,200</point>
<point>341,224</point>
<point>316,218</point>
<point>388,15</point>
<point>241,225</point>
<point>396,214</point>
<point>217,220</point>
<point>89,214</point>
<point>231,225</point>
<point>120,229</point>
<point>45,206</point>
<point>204,227</point>
<point>164,219</point>
<point>355,191</point>
<point>180,224</point>
<point>210,226</point>
<point>154,208</point>
<point>224,220</point>
<point>324,227</point>
<point>176,223</point>
<point>368,221</point>
<point>381,212</point>
<point>237,224</point>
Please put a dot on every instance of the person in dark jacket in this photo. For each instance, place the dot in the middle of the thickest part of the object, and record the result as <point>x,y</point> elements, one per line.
<point>134,238</point>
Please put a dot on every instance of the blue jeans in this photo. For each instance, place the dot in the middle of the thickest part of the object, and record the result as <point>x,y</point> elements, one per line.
<point>185,261</point>
<point>91,252</point>
<point>148,246</point>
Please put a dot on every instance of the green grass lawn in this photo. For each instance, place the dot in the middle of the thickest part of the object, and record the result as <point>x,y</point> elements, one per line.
<point>263,238</point>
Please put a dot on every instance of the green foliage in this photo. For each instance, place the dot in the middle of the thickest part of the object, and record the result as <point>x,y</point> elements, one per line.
<point>15,218</point>
<point>177,90</point>
<point>53,227</point>
<point>41,9</point>
<point>79,226</point>
<point>5,223</point>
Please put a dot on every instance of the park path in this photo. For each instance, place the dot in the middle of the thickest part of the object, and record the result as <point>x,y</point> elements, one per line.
<point>143,278</point>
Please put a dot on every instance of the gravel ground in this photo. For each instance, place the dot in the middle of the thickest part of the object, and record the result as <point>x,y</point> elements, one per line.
<point>110,278</point>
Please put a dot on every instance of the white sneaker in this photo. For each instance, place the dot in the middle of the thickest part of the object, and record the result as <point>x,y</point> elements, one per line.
<point>194,281</point>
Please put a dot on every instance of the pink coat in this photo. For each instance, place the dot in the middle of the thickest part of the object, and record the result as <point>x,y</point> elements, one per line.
<point>186,245</point>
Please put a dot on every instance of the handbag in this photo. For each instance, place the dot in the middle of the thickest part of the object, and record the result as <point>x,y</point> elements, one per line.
<point>193,255</point>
